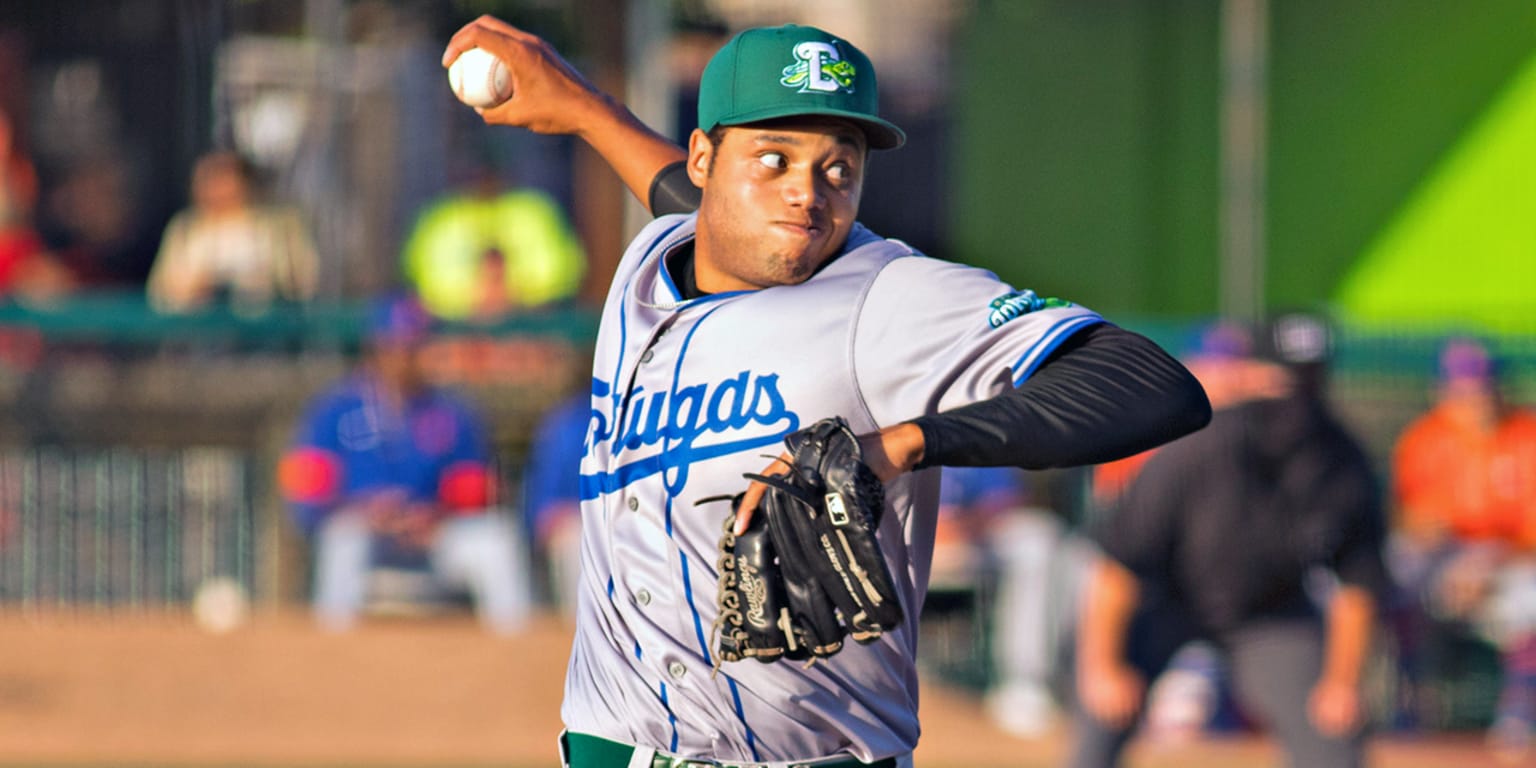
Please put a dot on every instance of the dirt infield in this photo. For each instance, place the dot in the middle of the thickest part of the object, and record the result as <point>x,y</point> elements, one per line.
<point>156,691</point>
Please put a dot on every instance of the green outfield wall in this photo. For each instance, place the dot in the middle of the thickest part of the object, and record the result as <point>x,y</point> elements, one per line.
<point>1085,159</point>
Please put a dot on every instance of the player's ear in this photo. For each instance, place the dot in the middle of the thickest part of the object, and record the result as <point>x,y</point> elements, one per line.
<point>701,153</point>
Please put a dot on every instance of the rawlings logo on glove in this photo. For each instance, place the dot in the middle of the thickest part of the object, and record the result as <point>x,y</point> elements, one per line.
<point>808,569</point>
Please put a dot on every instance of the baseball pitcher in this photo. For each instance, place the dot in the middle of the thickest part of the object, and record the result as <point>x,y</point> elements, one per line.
<point>773,389</point>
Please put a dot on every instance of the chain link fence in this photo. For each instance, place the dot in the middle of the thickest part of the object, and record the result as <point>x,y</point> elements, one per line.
<point>84,527</point>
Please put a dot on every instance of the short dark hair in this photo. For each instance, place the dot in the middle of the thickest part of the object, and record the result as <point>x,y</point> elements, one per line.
<point>715,136</point>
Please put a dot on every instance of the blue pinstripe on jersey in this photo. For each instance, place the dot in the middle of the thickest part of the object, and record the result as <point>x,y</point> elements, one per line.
<point>742,716</point>
<point>661,695</point>
<point>671,718</point>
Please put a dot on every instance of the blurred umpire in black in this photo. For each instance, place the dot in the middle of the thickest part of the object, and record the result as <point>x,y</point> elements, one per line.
<point>1261,533</point>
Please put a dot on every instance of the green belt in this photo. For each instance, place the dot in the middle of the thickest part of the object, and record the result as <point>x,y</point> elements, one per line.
<point>586,751</point>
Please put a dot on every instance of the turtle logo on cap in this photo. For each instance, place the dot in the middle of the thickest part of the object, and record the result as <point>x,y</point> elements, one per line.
<point>819,67</point>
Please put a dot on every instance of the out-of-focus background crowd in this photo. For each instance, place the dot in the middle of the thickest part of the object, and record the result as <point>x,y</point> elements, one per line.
<point>283,325</point>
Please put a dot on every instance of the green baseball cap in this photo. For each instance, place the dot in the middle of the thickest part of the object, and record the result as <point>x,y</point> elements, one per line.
<point>769,72</point>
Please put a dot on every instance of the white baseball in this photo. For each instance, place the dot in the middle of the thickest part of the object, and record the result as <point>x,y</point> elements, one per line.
<point>220,605</point>
<point>480,79</point>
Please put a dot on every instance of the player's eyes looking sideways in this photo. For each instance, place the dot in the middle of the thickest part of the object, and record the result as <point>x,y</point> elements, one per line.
<point>839,173</point>
<point>774,160</point>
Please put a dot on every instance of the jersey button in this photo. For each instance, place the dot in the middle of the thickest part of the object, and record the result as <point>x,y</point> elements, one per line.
<point>646,357</point>
<point>677,670</point>
<point>643,597</point>
<point>634,503</point>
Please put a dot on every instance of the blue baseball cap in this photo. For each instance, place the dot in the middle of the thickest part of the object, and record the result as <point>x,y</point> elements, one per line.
<point>398,319</point>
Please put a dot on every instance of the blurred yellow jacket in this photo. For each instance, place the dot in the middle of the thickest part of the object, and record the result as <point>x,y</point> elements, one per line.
<point>446,253</point>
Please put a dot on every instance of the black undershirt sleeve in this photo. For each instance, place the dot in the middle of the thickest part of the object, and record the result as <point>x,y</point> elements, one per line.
<point>672,191</point>
<point>1105,394</point>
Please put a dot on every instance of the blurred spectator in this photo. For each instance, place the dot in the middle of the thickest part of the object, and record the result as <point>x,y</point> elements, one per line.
<point>18,177</point>
<point>973,502</point>
<point>1464,481</point>
<point>386,468</point>
<point>92,215</point>
<point>27,268</point>
<point>228,247</point>
<point>989,528</point>
<point>485,251</point>
<point>1219,537</point>
<point>552,495</point>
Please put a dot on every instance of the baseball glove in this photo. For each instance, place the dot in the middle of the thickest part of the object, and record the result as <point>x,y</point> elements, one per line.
<point>808,571</point>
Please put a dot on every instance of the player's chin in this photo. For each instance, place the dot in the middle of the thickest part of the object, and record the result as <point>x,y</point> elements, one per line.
<point>796,269</point>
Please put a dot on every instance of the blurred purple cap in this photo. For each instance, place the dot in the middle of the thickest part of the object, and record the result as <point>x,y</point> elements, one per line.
<point>1224,341</point>
<point>1466,360</point>
<point>398,319</point>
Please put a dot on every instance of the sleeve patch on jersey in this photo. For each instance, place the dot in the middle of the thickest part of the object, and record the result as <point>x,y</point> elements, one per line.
<point>1019,303</point>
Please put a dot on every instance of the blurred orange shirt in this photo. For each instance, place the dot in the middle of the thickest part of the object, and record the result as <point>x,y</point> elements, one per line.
<point>1472,485</point>
<point>1112,478</point>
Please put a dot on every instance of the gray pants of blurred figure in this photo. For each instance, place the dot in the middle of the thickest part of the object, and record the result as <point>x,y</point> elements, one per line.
<point>479,552</point>
<point>1273,665</point>
<point>1040,570</point>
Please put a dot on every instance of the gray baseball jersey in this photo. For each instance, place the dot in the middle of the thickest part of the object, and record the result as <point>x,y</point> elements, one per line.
<point>689,394</point>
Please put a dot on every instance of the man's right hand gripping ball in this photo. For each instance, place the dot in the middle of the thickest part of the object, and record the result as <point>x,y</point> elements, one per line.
<point>808,570</point>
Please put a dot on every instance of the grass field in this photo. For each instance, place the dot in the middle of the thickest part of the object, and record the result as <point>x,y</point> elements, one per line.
<point>91,692</point>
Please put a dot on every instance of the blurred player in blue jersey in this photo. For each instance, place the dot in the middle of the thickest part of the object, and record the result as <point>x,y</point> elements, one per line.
<point>388,468</point>
<point>552,495</point>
